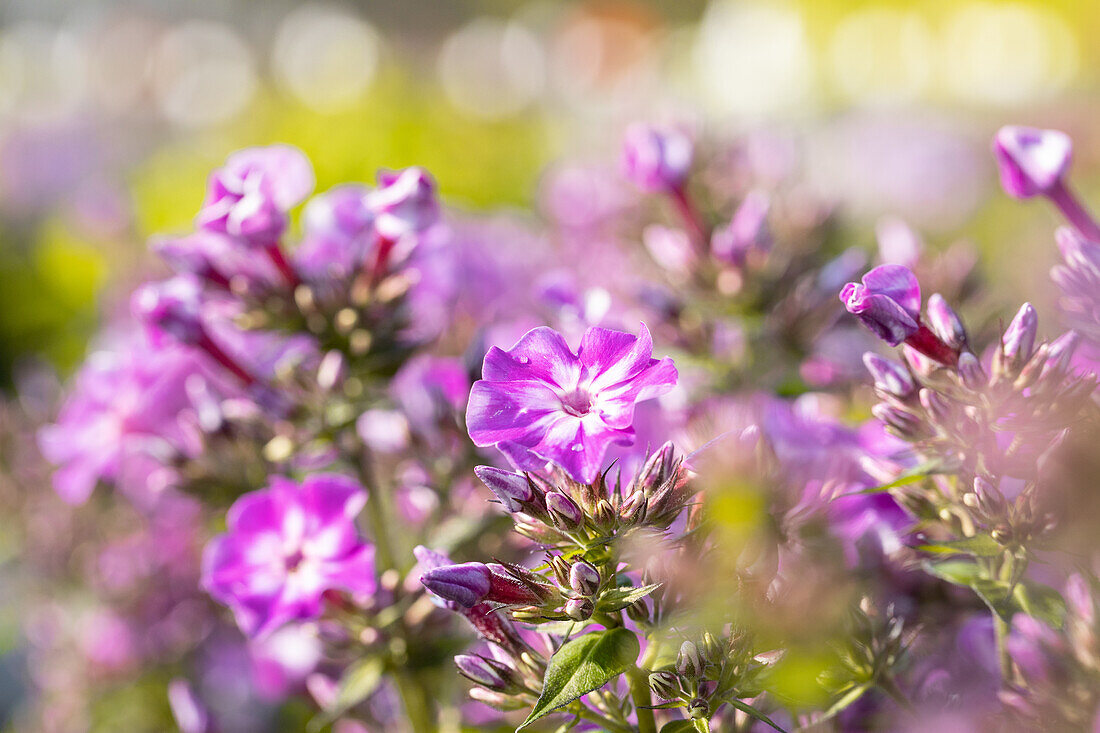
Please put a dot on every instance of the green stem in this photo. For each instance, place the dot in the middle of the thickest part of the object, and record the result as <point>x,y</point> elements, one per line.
<point>418,708</point>
<point>377,515</point>
<point>1000,629</point>
<point>639,693</point>
<point>586,713</point>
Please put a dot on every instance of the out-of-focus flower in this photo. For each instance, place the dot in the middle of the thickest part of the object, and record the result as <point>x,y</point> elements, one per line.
<point>286,545</point>
<point>1079,280</point>
<point>190,714</point>
<point>404,203</point>
<point>124,404</point>
<point>1031,161</point>
<point>339,231</point>
<point>747,230</point>
<point>250,195</point>
<point>170,308</point>
<point>430,390</point>
<point>539,402</point>
<point>656,159</point>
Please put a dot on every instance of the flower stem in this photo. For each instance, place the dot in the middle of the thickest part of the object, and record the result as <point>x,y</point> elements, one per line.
<point>691,217</point>
<point>418,708</point>
<point>1000,629</point>
<point>1074,211</point>
<point>639,693</point>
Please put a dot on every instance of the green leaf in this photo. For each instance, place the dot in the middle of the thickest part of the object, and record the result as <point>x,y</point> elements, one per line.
<point>678,726</point>
<point>1042,602</point>
<point>359,681</point>
<point>753,713</point>
<point>616,599</point>
<point>913,475</point>
<point>959,572</point>
<point>980,546</point>
<point>582,665</point>
<point>849,697</point>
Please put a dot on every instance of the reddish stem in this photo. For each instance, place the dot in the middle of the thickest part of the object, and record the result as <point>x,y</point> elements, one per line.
<point>218,354</point>
<point>381,259</point>
<point>692,219</point>
<point>931,346</point>
<point>284,267</point>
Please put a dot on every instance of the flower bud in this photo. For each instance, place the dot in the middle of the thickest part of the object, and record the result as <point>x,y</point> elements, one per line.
<point>688,661</point>
<point>488,673</point>
<point>171,307</point>
<point>1031,161</point>
<point>513,490</point>
<point>656,159</point>
<point>657,469</point>
<point>516,586</point>
<point>713,650</point>
<point>890,376</point>
<point>665,685</point>
<point>698,709</point>
<point>560,566</point>
<point>495,699</point>
<point>1019,337</point>
<point>905,423</point>
<point>579,609</point>
<point>887,301</point>
<point>404,202</point>
<point>1060,354</point>
<point>584,578</point>
<point>970,370</point>
<point>332,370</point>
<point>633,509</point>
<point>945,322</point>
<point>604,515</point>
<point>466,584</point>
<point>990,499</point>
<point>936,406</point>
<point>563,511</point>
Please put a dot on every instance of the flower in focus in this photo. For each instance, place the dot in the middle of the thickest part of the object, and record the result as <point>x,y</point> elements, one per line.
<point>1031,161</point>
<point>887,302</point>
<point>286,545</point>
<point>656,159</point>
<point>250,195</point>
<point>539,402</point>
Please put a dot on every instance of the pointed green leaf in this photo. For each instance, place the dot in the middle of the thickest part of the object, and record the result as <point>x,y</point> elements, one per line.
<point>1042,602</point>
<point>678,726</point>
<point>911,476</point>
<point>980,546</point>
<point>753,713</point>
<point>616,599</point>
<point>582,665</point>
<point>959,572</point>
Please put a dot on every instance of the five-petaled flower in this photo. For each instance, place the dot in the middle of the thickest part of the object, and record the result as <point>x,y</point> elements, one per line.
<point>286,545</point>
<point>539,402</point>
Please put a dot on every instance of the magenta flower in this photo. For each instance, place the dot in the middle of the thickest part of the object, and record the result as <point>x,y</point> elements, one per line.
<point>125,406</point>
<point>539,402</point>
<point>887,302</point>
<point>656,159</point>
<point>1031,161</point>
<point>404,202</point>
<point>250,195</point>
<point>747,231</point>
<point>286,545</point>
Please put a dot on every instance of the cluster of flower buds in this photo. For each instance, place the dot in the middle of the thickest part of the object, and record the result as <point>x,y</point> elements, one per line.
<point>710,670</point>
<point>991,427</point>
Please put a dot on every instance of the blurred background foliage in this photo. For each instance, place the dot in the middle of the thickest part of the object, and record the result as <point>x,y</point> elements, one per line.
<point>113,112</point>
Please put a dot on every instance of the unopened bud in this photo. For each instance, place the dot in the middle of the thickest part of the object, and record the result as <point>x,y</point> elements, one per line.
<point>563,511</point>
<point>657,469</point>
<point>699,709</point>
<point>712,648</point>
<point>688,661</point>
<point>1019,337</point>
<point>665,685</point>
<point>1060,354</point>
<point>579,609</point>
<point>889,376</point>
<point>513,490</point>
<point>633,509</point>
<point>905,423</point>
<point>936,406</point>
<point>584,578</point>
<point>332,370</point>
<point>488,673</point>
<point>560,566</point>
<point>498,700</point>
<point>945,322</point>
<point>970,370</point>
<point>604,513</point>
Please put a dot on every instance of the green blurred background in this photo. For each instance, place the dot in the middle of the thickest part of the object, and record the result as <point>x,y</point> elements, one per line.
<point>112,112</point>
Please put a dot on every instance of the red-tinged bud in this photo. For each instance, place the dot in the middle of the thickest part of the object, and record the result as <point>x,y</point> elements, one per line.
<point>584,578</point>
